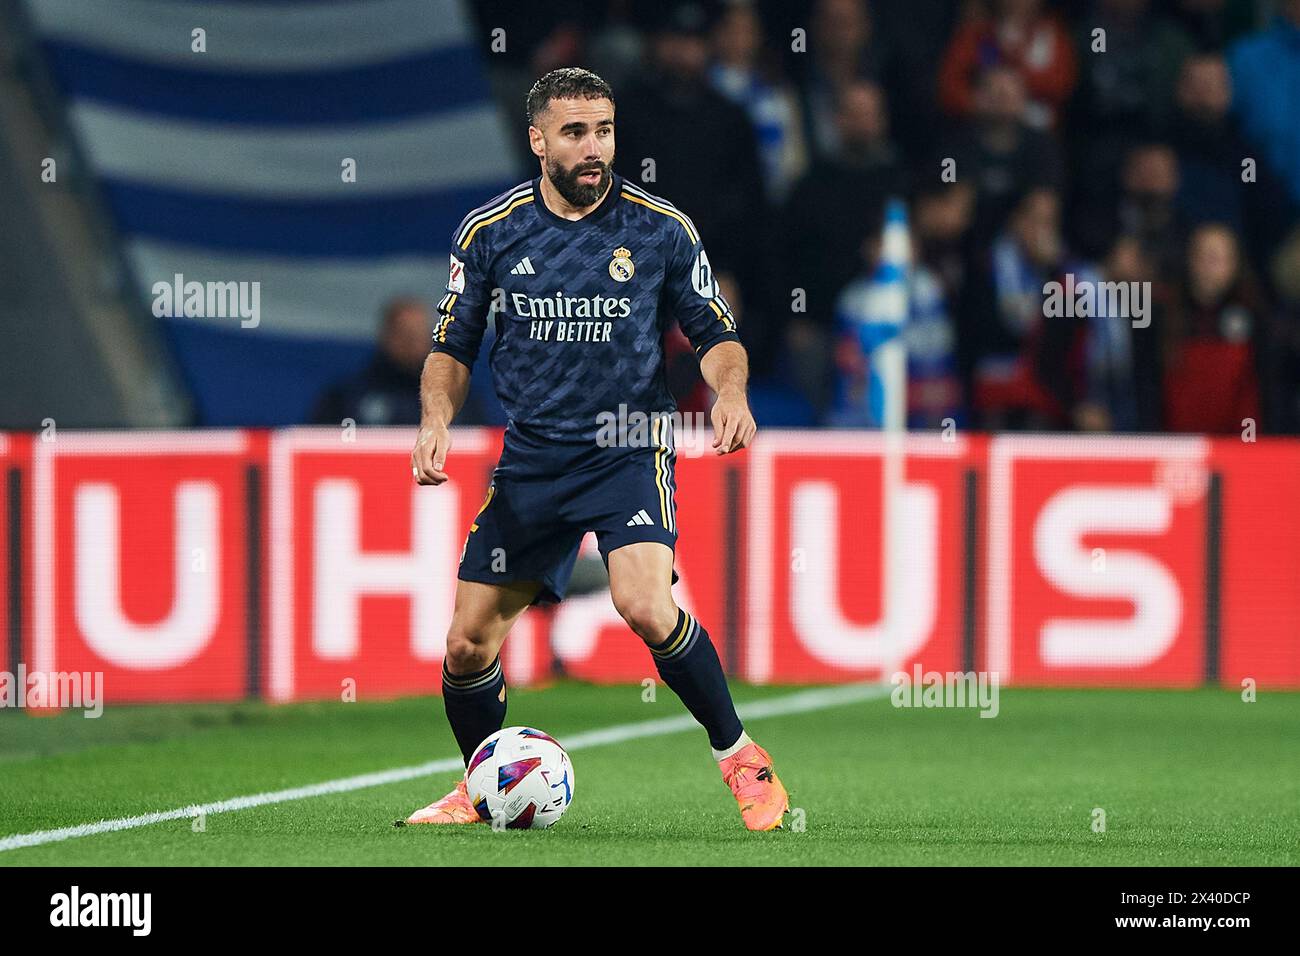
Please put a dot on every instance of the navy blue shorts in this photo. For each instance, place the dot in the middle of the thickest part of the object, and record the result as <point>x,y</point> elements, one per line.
<point>542,500</point>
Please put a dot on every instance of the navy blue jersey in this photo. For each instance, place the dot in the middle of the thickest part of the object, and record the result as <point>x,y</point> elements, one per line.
<point>581,307</point>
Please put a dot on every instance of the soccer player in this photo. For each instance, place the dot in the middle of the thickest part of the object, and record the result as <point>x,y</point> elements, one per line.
<point>586,269</point>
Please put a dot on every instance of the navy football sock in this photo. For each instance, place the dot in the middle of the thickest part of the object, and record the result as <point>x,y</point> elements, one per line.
<point>688,663</point>
<point>476,704</point>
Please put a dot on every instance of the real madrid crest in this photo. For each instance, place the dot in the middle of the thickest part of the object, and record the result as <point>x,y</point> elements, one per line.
<point>620,267</point>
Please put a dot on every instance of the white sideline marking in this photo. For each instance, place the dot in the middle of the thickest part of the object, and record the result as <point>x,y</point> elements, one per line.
<point>798,703</point>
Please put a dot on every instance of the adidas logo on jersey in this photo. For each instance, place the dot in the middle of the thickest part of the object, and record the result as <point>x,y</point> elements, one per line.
<point>640,518</point>
<point>523,268</point>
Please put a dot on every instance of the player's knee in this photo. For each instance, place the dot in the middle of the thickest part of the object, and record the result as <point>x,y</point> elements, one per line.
<point>649,617</point>
<point>468,650</point>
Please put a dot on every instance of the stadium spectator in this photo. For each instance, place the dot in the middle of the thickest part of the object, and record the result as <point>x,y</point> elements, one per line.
<point>615,49</point>
<point>1126,89</point>
<point>942,216</point>
<point>1127,86</point>
<point>830,212</point>
<point>1147,208</point>
<point>1098,366</point>
<point>1212,337</point>
<point>739,73</point>
<point>387,391</point>
<point>1001,154</point>
<point>1007,317</point>
<point>1266,92</point>
<point>843,49</point>
<point>915,34</point>
<point>1022,37</point>
<point>942,243</point>
<point>1210,153</point>
<point>677,137</point>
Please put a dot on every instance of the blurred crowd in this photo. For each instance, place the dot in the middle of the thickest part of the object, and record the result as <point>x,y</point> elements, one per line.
<point>1110,141</point>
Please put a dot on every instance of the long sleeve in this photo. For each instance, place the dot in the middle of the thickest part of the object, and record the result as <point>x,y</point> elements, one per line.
<point>462,313</point>
<point>693,296</point>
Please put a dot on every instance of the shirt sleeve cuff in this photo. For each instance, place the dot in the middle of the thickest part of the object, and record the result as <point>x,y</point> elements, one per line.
<point>463,356</point>
<point>703,347</point>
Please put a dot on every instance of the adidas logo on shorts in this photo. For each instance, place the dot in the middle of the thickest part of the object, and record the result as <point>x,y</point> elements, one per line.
<point>640,518</point>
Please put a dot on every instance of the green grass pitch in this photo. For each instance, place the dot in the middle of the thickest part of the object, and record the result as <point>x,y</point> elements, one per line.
<point>1184,777</point>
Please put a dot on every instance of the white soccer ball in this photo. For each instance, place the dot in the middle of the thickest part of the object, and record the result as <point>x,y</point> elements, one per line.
<point>520,779</point>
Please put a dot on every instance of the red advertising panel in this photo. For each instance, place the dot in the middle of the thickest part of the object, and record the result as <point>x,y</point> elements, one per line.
<point>162,561</point>
<point>1260,555</point>
<point>140,564</point>
<point>1097,560</point>
<point>843,586</point>
<point>363,563</point>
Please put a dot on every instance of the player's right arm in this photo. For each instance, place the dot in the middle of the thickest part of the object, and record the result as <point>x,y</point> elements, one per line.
<point>444,383</point>
<point>457,334</point>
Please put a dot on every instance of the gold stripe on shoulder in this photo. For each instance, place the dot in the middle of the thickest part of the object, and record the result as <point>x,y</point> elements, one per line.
<point>690,232</point>
<point>659,201</point>
<point>523,200</point>
<point>479,214</point>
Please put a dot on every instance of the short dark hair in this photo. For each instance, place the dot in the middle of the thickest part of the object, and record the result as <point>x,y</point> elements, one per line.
<point>566,83</point>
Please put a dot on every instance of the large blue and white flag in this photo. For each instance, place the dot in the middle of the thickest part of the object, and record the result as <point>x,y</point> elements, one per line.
<point>223,156</point>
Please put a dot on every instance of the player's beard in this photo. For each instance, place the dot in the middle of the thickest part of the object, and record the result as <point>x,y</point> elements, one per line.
<point>577,194</point>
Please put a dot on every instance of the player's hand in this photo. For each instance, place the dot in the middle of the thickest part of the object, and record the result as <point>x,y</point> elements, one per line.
<point>430,453</point>
<point>733,425</point>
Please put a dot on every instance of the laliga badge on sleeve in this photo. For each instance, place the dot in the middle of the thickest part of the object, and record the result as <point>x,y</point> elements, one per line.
<point>456,276</point>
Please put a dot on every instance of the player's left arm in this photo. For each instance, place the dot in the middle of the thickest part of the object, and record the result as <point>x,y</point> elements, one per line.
<point>726,368</point>
<point>706,318</point>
